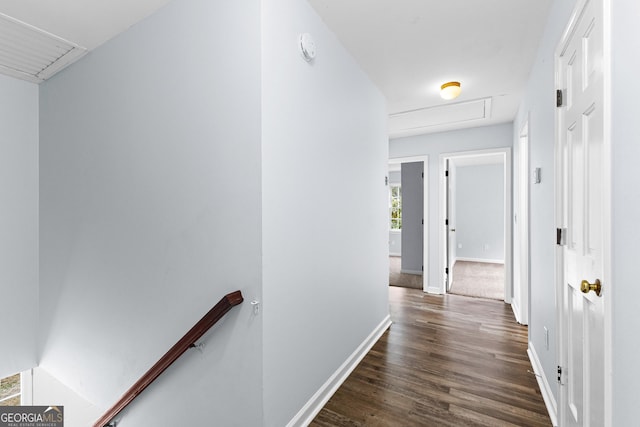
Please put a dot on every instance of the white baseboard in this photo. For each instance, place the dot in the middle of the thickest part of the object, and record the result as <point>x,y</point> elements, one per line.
<point>416,272</point>
<point>434,290</point>
<point>545,389</point>
<point>490,261</point>
<point>516,312</point>
<point>320,398</point>
<point>395,254</point>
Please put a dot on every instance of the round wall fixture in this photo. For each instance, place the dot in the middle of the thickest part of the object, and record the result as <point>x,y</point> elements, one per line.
<point>307,47</point>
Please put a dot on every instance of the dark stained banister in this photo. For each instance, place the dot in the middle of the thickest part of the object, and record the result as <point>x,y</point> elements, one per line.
<point>188,340</point>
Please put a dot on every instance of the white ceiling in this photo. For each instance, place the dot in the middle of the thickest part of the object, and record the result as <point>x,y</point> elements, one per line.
<point>87,23</point>
<point>407,47</point>
<point>410,47</point>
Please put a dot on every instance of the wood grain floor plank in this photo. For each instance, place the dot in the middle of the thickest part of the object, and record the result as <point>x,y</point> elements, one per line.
<point>446,361</point>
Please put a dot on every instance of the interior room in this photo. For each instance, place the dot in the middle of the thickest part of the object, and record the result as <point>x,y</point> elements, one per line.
<point>476,226</point>
<point>406,233</point>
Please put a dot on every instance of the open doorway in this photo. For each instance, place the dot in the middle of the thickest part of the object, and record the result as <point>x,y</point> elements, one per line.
<point>408,240</point>
<point>475,239</point>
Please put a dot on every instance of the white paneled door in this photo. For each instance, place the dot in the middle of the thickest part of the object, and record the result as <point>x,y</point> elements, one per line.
<point>580,216</point>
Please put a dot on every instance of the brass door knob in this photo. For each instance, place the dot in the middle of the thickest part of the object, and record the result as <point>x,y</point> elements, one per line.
<point>585,287</point>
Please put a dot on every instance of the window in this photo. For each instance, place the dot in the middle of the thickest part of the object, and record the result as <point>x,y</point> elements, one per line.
<point>396,206</point>
<point>10,391</point>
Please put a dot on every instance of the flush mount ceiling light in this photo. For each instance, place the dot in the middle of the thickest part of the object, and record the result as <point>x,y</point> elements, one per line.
<point>450,90</point>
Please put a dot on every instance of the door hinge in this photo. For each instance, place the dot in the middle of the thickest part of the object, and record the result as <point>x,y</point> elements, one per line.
<point>560,374</point>
<point>446,173</point>
<point>559,98</point>
<point>422,268</point>
<point>446,270</point>
<point>422,174</point>
<point>446,222</point>
<point>423,222</point>
<point>561,236</point>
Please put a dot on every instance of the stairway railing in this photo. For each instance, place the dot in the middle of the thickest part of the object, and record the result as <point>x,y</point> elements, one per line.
<point>188,340</point>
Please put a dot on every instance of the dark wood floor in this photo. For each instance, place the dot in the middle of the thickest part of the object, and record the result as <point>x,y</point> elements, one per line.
<point>446,361</point>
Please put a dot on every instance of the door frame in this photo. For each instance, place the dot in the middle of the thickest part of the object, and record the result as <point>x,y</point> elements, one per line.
<point>606,209</point>
<point>450,214</point>
<point>522,276</point>
<point>425,212</point>
<point>508,236</point>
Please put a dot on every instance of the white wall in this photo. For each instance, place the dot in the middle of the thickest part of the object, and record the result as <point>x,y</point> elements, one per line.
<point>624,288</point>
<point>412,216</point>
<point>41,389</point>
<point>18,224</point>
<point>395,243</point>
<point>433,145</point>
<point>539,103</point>
<point>325,241</point>
<point>479,205</point>
<point>142,232</point>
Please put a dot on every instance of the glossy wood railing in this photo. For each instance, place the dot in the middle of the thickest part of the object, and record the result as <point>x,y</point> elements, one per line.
<point>188,340</point>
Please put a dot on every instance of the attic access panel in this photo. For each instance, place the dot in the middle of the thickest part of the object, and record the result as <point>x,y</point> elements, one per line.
<point>424,118</point>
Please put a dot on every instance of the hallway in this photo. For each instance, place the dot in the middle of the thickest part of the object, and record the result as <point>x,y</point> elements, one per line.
<point>446,361</point>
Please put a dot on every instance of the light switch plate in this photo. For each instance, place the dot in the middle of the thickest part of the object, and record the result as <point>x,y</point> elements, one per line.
<point>537,176</point>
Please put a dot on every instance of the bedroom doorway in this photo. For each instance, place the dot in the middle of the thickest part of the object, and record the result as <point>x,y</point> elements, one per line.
<point>408,239</point>
<point>475,244</point>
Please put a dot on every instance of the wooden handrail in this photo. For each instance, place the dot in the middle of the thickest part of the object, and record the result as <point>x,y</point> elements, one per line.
<point>188,340</point>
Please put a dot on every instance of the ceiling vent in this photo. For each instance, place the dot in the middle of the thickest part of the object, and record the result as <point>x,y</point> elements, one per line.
<point>31,54</point>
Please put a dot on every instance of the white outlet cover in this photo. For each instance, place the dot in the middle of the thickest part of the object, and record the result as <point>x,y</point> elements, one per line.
<point>307,47</point>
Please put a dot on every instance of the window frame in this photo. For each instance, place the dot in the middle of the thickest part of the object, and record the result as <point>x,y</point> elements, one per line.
<point>13,396</point>
<point>398,208</point>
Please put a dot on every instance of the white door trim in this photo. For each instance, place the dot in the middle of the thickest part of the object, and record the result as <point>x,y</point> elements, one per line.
<point>522,278</point>
<point>425,213</point>
<point>508,236</point>
<point>607,225</point>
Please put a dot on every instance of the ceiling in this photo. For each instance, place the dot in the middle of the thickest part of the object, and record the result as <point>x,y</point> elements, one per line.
<point>410,47</point>
<point>88,23</point>
<point>407,47</point>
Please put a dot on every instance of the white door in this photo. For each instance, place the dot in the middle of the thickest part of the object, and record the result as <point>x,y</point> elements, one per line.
<point>449,223</point>
<point>580,138</point>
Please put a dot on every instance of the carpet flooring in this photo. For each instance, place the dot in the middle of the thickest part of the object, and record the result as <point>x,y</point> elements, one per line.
<point>473,279</point>
<point>404,280</point>
<point>478,279</point>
